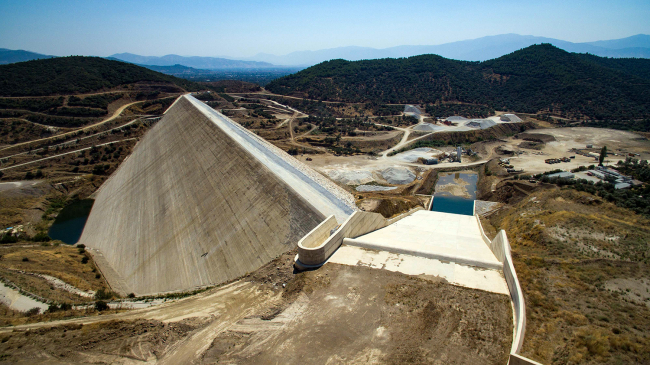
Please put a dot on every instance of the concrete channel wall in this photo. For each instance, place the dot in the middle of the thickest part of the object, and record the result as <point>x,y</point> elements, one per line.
<point>311,254</point>
<point>516,294</point>
<point>496,247</point>
<point>318,245</point>
<point>500,247</point>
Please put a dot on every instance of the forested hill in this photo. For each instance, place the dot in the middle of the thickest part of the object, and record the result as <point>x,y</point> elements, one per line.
<point>539,78</point>
<point>70,75</point>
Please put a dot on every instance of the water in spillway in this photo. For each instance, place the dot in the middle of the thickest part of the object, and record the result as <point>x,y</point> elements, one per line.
<point>455,193</point>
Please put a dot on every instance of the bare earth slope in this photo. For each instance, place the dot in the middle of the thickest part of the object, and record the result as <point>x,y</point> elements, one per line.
<point>192,207</point>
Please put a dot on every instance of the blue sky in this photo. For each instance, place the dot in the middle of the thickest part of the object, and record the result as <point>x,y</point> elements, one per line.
<point>244,28</point>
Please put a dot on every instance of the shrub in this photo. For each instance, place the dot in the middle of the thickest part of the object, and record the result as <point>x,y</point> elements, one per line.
<point>32,312</point>
<point>101,305</point>
<point>84,260</point>
<point>41,237</point>
<point>8,238</point>
<point>102,294</point>
<point>25,259</point>
<point>53,308</point>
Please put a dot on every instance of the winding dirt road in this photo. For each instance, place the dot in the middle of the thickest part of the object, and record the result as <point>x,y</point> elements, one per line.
<point>115,115</point>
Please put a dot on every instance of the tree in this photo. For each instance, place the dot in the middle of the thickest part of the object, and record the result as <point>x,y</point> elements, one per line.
<point>603,154</point>
<point>101,305</point>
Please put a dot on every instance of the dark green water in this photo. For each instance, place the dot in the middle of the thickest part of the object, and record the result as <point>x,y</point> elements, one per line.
<point>70,222</point>
<point>447,203</point>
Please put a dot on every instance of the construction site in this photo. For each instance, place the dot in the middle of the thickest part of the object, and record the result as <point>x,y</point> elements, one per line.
<point>301,273</point>
<point>249,239</point>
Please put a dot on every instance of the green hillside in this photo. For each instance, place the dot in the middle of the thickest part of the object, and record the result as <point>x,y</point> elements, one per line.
<point>77,74</point>
<point>540,78</point>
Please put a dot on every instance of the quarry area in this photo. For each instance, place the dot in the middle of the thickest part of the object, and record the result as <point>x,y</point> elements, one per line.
<point>248,228</point>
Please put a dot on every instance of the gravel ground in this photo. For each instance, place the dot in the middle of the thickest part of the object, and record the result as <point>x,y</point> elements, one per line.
<point>351,177</point>
<point>364,188</point>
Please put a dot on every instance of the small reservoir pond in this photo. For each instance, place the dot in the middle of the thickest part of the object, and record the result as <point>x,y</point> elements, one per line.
<point>70,222</point>
<point>455,192</point>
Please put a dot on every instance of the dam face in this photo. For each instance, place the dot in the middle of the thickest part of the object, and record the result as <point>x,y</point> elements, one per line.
<point>202,201</point>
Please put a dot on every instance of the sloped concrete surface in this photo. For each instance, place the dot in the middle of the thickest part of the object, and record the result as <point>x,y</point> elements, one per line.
<point>202,201</point>
<point>461,275</point>
<point>442,236</point>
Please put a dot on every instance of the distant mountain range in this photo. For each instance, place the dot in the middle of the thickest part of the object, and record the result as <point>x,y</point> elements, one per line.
<point>480,49</point>
<point>13,56</point>
<point>207,63</point>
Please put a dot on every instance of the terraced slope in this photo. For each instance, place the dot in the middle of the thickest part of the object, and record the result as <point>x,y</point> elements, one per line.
<point>202,201</point>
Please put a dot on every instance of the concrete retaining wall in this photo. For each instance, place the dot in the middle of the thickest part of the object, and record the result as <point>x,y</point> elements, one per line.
<point>311,254</point>
<point>357,224</point>
<point>496,247</point>
<point>319,234</point>
<point>516,294</point>
<point>501,249</point>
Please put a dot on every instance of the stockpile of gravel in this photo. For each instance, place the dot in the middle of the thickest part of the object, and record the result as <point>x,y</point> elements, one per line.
<point>427,127</point>
<point>414,154</point>
<point>398,175</point>
<point>480,123</point>
<point>365,188</point>
<point>351,177</point>
<point>510,118</point>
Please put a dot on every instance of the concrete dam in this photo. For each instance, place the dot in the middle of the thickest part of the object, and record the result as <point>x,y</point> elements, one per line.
<point>202,201</point>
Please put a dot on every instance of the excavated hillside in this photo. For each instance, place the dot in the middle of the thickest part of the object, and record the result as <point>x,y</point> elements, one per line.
<point>202,201</point>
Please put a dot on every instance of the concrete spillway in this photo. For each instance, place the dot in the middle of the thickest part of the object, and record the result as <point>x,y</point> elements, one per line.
<point>201,201</point>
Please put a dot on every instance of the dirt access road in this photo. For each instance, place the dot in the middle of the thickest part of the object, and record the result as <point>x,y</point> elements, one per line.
<point>66,153</point>
<point>115,115</point>
<point>337,314</point>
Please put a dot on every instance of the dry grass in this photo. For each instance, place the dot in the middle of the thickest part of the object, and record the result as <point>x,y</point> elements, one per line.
<point>567,246</point>
<point>63,262</point>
